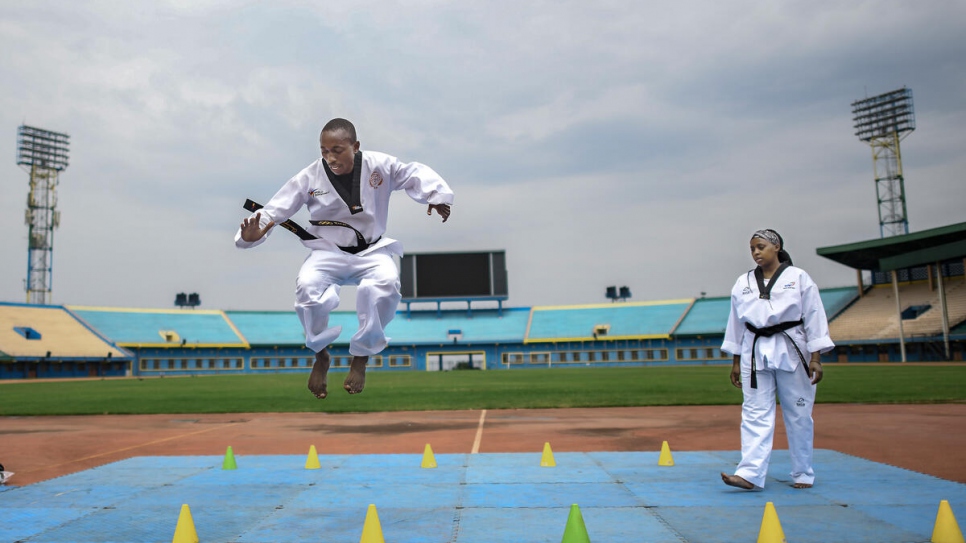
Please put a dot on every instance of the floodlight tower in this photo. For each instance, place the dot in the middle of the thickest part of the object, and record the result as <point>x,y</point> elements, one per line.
<point>882,121</point>
<point>46,155</point>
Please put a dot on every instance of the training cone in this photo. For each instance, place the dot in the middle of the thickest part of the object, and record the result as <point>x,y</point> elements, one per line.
<point>185,532</point>
<point>575,532</point>
<point>372,530</point>
<point>546,460</point>
<point>229,462</point>
<point>429,461</point>
<point>312,460</point>
<point>771,527</point>
<point>665,459</point>
<point>947,529</point>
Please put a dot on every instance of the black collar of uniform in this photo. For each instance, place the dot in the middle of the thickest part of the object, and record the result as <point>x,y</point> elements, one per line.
<point>355,202</point>
<point>764,292</point>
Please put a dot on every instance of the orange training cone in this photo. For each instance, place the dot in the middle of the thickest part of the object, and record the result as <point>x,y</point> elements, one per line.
<point>312,460</point>
<point>185,532</point>
<point>771,527</point>
<point>229,462</point>
<point>372,530</point>
<point>946,529</point>
<point>546,460</point>
<point>665,459</point>
<point>575,531</point>
<point>429,461</point>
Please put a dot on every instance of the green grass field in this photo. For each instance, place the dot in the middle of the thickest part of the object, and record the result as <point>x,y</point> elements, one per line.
<point>404,391</point>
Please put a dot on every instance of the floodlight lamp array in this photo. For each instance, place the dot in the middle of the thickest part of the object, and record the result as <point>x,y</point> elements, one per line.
<point>42,148</point>
<point>884,115</point>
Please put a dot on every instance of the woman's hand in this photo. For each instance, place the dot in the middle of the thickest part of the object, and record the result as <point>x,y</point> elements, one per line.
<point>815,367</point>
<point>736,372</point>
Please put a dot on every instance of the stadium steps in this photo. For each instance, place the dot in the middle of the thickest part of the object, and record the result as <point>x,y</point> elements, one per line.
<point>873,317</point>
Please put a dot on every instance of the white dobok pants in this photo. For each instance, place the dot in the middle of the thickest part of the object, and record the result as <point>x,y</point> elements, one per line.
<point>797,396</point>
<point>317,294</point>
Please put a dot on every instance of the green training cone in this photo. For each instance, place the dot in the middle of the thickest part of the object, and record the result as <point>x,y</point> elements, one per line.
<point>575,532</point>
<point>229,462</point>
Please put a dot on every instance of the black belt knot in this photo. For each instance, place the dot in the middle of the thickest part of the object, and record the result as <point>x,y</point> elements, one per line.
<point>769,331</point>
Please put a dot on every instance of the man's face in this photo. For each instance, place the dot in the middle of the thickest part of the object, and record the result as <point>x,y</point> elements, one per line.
<point>338,151</point>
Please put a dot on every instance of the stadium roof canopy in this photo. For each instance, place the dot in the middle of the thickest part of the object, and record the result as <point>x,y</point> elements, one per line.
<point>900,252</point>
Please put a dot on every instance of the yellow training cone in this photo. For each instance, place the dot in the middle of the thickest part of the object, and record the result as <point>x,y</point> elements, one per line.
<point>947,529</point>
<point>665,459</point>
<point>771,527</point>
<point>429,461</point>
<point>372,530</point>
<point>185,532</point>
<point>546,460</point>
<point>229,462</point>
<point>575,531</point>
<point>312,460</point>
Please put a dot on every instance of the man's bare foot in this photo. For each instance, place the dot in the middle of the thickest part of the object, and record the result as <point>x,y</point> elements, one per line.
<point>318,379</point>
<point>356,380</point>
<point>734,480</point>
<point>801,485</point>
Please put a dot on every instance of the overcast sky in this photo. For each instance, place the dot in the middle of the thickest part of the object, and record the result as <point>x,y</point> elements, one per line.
<point>634,143</point>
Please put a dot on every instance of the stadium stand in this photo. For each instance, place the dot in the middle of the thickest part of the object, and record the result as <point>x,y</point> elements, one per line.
<point>158,342</point>
<point>459,327</point>
<point>48,341</point>
<point>638,320</point>
<point>873,316</point>
<point>162,328</point>
<point>269,327</point>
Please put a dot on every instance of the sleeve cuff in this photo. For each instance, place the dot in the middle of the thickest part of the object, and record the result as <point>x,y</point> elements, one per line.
<point>731,348</point>
<point>820,345</point>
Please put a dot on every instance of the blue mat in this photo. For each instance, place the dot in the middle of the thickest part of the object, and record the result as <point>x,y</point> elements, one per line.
<point>622,496</point>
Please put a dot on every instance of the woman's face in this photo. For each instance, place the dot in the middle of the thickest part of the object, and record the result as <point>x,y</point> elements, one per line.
<point>764,252</point>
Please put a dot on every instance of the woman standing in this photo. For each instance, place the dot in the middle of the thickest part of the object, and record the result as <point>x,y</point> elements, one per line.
<point>776,333</point>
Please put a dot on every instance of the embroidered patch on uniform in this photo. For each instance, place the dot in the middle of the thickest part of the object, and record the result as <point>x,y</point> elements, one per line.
<point>375,179</point>
<point>746,290</point>
<point>789,286</point>
<point>317,192</point>
<point>800,402</point>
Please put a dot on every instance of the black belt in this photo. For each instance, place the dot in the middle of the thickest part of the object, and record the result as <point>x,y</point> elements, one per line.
<point>361,243</point>
<point>769,331</point>
<point>297,229</point>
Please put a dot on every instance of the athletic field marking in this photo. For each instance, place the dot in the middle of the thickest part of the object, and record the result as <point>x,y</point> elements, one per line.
<point>162,440</point>
<point>479,433</point>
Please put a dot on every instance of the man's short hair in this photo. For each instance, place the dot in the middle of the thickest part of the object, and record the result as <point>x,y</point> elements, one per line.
<point>341,124</point>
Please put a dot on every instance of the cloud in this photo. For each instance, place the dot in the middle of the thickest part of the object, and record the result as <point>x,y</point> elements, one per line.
<point>598,143</point>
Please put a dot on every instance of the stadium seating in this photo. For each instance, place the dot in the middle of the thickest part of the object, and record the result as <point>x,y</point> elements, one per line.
<point>873,316</point>
<point>638,320</point>
<point>480,326</point>
<point>162,328</point>
<point>50,332</point>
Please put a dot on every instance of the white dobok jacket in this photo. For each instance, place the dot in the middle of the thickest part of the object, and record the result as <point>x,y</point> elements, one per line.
<point>381,175</point>
<point>794,297</point>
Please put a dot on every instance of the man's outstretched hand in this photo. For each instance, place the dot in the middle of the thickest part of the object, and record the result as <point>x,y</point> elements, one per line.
<point>250,231</point>
<point>442,209</point>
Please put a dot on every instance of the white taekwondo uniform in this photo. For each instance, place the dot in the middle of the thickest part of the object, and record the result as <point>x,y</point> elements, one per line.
<point>779,368</point>
<point>328,267</point>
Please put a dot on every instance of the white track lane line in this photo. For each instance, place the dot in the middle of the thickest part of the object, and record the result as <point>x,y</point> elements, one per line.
<point>479,433</point>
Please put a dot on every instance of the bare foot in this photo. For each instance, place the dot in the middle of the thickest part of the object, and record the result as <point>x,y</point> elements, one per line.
<point>734,480</point>
<point>801,485</point>
<point>318,380</point>
<point>356,380</point>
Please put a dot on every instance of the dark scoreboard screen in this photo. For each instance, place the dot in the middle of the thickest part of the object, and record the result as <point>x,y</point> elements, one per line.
<point>454,275</point>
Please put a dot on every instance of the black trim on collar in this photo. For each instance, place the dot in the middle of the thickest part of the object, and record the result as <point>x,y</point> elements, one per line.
<point>764,292</point>
<point>355,201</point>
